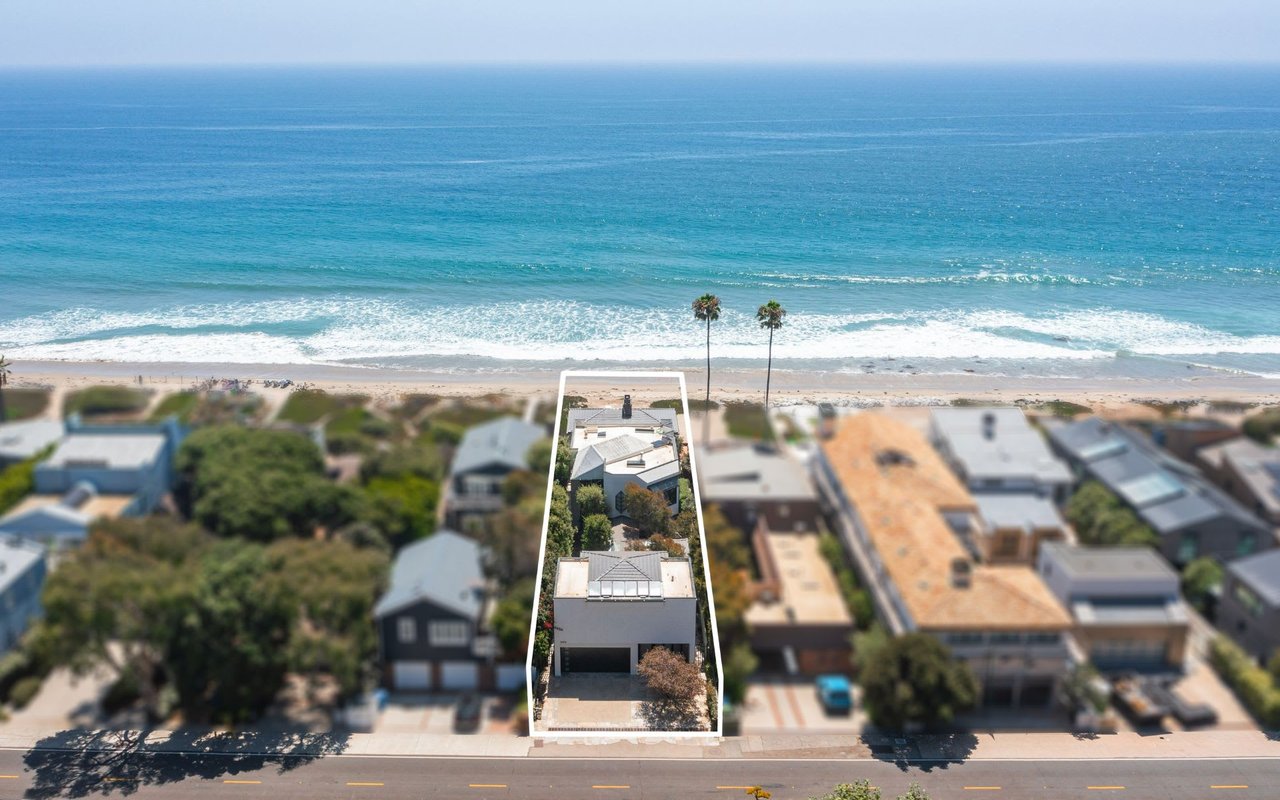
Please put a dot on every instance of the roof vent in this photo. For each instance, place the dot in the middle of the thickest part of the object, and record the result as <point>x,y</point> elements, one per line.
<point>961,573</point>
<point>894,458</point>
<point>626,406</point>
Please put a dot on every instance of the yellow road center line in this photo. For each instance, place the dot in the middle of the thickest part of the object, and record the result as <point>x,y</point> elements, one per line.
<point>244,783</point>
<point>743,788</point>
<point>487,785</point>
<point>8,777</point>
<point>1216,786</point>
<point>365,783</point>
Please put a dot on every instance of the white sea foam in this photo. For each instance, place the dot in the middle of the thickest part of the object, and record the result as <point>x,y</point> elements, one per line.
<point>345,329</point>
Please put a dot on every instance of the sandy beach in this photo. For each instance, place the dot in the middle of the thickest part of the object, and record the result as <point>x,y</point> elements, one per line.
<point>789,387</point>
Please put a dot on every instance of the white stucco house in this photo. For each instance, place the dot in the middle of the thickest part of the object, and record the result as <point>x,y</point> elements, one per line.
<point>611,607</point>
<point>619,446</point>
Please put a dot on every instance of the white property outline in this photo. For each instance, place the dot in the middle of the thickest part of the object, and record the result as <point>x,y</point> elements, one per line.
<point>706,566</point>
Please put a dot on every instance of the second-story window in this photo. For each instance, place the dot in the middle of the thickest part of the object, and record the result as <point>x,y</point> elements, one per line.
<point>407,630</point>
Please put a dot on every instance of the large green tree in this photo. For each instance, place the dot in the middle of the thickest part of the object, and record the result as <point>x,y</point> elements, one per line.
<point>647,508</point>
<point>707,309</point>
<point>590,499</point>
<point>915,679</point>
<point>597,533</point>
<point>1101,519</point>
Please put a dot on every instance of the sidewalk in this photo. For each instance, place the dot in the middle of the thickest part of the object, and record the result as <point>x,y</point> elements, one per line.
<point>955,747</point>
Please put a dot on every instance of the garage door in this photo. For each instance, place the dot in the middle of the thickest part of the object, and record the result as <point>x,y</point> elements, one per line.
<point>595,659</point>
<point>458,675</point>
<point>511,677</point>
<point>411,676</point>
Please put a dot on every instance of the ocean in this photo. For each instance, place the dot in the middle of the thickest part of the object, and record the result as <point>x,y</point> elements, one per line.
<point>1040,221</point>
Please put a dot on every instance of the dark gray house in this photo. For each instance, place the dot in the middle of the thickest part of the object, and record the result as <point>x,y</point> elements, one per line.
<point>487,454</point>
<point>1192,516</point>
<point>1249,610</point>
<point>432,620</point>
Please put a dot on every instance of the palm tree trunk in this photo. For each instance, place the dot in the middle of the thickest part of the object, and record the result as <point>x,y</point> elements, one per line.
<point>768,375</point>
<point>706,410</point>
<point>4,414</point>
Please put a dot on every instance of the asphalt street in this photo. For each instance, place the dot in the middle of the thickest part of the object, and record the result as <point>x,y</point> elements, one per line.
<point>50,774</point>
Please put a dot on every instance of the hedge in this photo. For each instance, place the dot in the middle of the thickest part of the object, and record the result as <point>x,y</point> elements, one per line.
<point>1255,687</point>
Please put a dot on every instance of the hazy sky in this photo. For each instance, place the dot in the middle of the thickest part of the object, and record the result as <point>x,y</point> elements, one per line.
<point>67,32</point>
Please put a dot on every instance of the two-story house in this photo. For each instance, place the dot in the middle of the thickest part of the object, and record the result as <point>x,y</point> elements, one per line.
<point>902,514</point>
<point>1249,609</point>
<point>22,572</point>
<point>617,447</point>
<point>432,620</point>
<point>487,454</point>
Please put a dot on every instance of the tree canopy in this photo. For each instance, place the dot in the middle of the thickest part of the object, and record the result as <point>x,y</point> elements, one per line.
<point>1101,519</point>
<point>914,679</point>
<point>647,508</point>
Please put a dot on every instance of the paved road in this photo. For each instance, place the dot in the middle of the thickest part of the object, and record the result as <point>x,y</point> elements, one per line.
<point>54,774</point>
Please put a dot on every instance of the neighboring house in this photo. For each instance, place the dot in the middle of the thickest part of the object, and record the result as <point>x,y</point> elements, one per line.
<point>1248,472</point>
<point>432,620</point>
<point>1184,437</point>
<point>20,441</point>
<point>798,621</point>
<point>1126,603</point>
<point>22,572</point>
<point>1249,609</point>
<point>96,471</point>
<point>1015,479</point>
<point>487,454</point>
<point>755,482</point>
<point>610,608</point>
<point>616,447</point>
<point>1191,516</point>
<point>903,515</point>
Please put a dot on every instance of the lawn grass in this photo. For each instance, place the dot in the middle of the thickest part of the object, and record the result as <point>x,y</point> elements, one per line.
<point>747,421</point>
<point>309,406</point>
<point>181,404</point>
<point>24,403</point>
<point>97,401</point>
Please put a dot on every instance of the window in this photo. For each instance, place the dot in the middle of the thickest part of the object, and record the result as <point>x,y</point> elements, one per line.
<point>1246,598</point>
<point>672,495</point>
<point>1247,544</point>
<point>1189,547</point>
<point>617,503</point>
<point>449,634</point>
<point>1043,638</point>
<point>407,630</point>
<point>1006,638</point>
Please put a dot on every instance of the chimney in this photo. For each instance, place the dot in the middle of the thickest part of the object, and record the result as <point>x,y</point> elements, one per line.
<point>989,426</point>
<point>961,573</point>
<point>626,406</point>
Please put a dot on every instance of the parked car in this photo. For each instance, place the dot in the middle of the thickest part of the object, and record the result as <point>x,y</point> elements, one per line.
<point>467,714</point>
<point>835,694</point>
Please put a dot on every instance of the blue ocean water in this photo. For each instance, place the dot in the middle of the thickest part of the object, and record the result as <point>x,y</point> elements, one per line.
<point>1054,221</point>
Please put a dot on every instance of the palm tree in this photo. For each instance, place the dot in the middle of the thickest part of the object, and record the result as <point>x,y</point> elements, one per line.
<point>707,309</point>
<point>4,381</point>
<point>770,315</point>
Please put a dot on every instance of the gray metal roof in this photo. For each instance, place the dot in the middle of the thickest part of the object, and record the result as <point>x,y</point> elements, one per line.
<point>444,569</point>
<point>607,451</point>
<point>752,472</point>
<point>998,443</point>
<point>1262,573</point>
<point>16,558</point>
<point>612,417</point>
<point>1166,493</point>
<point>625,575</point>
<point>503,442</point>
<point>1018,510</point>
<point>1257,466</point>
<point>22,440</point>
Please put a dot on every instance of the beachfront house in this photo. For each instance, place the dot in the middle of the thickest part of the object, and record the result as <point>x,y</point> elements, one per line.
<point>904,517</point>
<point>1247,471</point>
<point>617,447</point>
<point>1191,516</point>
<point>1014,478</point>
<point>96,471</point>
<point>1249,609</point>
<point>754,483</point>
<point>611,607</point>
<point>1128,610</point>
<point>432,620</point>
<point>23,566</point>
<point>487,454</point>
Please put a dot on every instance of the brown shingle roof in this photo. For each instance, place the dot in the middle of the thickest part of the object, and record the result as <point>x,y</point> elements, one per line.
<point>900,487</point>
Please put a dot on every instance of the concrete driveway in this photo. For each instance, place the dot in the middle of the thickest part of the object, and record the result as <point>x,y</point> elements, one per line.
<point>790,705</point>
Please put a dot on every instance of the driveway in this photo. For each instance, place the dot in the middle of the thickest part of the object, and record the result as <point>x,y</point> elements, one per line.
<point>784,704</point>
<point>433,713</point>
<point>609,702</point>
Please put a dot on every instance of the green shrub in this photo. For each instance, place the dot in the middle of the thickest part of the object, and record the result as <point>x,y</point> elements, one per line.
<point>1102,520</point>
<point>101,400</point>
<point>121,694</point>
<point>24,403</point>
<point>308,406</point>
<point>1255,686</point>
<point>1263,426</point>
<point>443,432</point>
<point>24,691</point>
<point>747,421</point>
<point>590,499</point>
<point>597,533</point>
<point>181,405</point>
<point>16,482</point>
